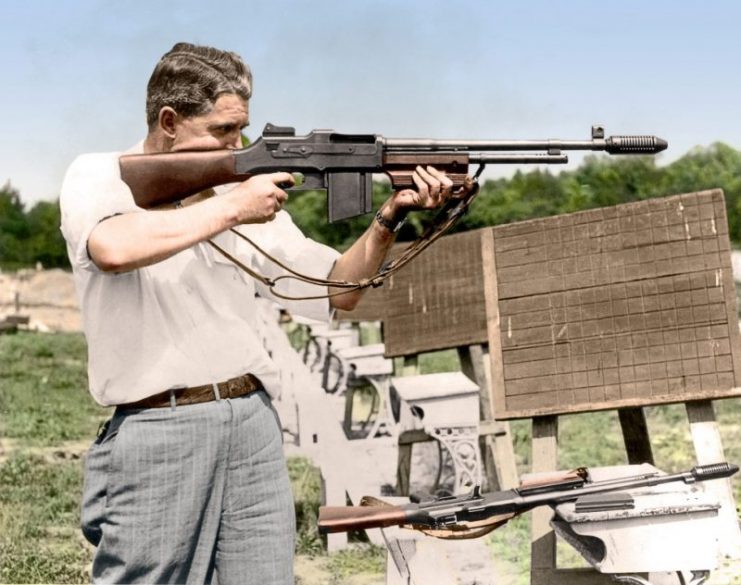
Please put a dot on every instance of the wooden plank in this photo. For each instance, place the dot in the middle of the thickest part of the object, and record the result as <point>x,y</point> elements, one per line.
<point>410,365</point>
<point>544,458</point>
<point>437,301</point>
<point>543,568</point>
<point>614,308</point>
<point>472,365</point>
<point>709,449</point>
<point>404,467</point>
<point>635,436</point>
<point>372,307</point>
<point>491,294</point>
<point>500,464</point>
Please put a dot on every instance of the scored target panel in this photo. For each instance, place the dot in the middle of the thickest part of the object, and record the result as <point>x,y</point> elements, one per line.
<point>436,301</point>
<point>628,305</point>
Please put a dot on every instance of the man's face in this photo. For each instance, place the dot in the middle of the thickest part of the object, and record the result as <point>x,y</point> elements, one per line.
<point>220,128</point>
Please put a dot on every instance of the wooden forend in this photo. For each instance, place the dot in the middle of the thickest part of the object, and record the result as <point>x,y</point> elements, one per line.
<point>616,307</point>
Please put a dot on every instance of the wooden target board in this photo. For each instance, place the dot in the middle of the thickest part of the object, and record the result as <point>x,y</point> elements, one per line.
<point>371,307</point>
<point>623,306</point>
<point>437,300</point>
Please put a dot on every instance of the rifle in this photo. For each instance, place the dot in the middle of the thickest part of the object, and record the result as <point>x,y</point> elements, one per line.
<point>476,514</point>
<point>343,164</point>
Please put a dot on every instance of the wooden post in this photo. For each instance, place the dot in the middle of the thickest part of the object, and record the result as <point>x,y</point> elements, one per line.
<point>635,435</point>
<point>543,538</point>
<point>543,568</point>
<point>709,449</point>
<point>498,454</point>
<point>404,461</point>
<point>411,365</point>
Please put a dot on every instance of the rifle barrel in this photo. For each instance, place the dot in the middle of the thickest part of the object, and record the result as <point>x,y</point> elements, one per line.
<point>698,473</point>
<point>614,144</point>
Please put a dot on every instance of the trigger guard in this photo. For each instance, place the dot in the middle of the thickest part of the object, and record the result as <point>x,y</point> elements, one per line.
<point>312,181</point>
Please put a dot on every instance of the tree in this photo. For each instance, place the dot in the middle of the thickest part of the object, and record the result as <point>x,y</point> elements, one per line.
<point>46,243</point>
<point>13,227</point>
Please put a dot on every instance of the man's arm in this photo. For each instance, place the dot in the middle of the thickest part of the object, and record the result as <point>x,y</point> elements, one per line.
<point>365,256</point>
<point>133,240</point>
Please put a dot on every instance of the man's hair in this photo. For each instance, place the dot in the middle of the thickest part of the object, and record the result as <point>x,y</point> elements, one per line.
<point>190,78</point>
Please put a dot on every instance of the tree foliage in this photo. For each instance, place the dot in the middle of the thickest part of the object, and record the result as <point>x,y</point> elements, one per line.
<point>27,238</point>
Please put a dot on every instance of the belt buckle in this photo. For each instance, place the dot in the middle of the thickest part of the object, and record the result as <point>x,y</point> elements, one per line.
<point>234,386</point>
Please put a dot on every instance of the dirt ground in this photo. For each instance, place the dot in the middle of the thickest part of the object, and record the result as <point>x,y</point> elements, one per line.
<point>46,296</point>
<point>315,571</point>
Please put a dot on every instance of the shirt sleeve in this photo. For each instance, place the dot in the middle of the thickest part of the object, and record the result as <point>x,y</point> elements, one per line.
<point>282,239</point>
<point>91,192</point>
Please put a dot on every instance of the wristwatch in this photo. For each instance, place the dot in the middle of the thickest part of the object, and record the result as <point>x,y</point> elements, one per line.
<point>392,226</point>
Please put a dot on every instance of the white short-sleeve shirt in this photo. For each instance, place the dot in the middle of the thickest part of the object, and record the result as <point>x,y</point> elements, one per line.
<point>188,320</point>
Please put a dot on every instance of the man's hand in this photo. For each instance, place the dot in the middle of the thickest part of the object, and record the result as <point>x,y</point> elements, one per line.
<point>365,256</point>
<point>433,190</point>
<point>259,198</point>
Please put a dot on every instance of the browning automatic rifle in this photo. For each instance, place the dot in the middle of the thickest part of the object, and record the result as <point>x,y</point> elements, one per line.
<point>343,164</point>
<point>477,514</point>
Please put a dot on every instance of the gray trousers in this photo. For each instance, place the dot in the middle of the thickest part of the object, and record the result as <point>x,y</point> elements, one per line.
<point>195,494</point>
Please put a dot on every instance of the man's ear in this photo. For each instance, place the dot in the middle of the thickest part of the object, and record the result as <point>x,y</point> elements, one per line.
<point>168,121</point>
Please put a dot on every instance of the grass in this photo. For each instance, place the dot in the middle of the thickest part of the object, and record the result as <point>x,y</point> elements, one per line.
<point>307,486</point>
<point>44,399</point>
<point>45,407</point>
<point>39,509</point>
<point>44,404</point>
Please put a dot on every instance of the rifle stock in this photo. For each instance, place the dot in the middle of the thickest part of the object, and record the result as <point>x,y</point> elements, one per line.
<point>347,518</point>
<point>157,179</point>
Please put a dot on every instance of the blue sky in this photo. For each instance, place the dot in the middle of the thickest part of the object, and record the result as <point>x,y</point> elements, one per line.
<point>74,72</point>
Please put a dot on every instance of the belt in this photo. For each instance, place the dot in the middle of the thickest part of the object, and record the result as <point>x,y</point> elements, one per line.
<point>230,389</point>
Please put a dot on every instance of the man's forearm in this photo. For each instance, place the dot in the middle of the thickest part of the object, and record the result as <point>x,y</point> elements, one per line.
<point>126,242</point>
<point>363,259</point>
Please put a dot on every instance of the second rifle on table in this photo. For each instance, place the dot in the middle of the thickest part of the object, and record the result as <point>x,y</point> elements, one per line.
<point>477,514</point>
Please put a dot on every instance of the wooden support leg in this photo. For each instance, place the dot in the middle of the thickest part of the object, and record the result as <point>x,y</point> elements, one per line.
<point>543,569</point>
<point>709,449</point>
<point>500,467</point>
<point>333,493</point>
<point>347,420</point>
<point>635,435</point>
<point>403,467</point>
<point>411,365</point>
<point>543,538</point>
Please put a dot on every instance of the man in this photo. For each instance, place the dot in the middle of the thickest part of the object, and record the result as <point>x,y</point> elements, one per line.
<point>187,481</point>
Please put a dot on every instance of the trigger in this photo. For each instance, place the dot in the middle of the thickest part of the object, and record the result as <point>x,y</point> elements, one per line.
<point>313,181</point>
